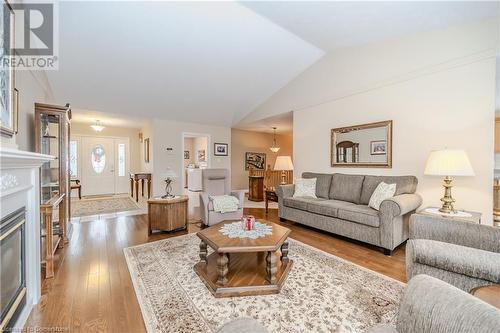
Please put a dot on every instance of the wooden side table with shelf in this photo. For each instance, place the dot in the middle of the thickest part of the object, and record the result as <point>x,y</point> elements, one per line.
<point>270,196</point>
<point>167,214</point>
<point>475,217</point>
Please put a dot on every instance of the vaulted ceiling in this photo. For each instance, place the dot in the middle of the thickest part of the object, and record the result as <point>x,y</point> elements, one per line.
<point>215,62</point>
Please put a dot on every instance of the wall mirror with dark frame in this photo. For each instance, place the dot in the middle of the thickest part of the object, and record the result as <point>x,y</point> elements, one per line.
<point>367,145</point>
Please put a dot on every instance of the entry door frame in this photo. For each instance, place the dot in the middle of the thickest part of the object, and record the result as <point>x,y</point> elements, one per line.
<point>79,139</point>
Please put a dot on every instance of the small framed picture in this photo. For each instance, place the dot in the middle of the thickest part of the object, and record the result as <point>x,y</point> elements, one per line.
<point>186,154</point>
<point>220,149</point>
<point>202,156</point>
<point>378,147</point>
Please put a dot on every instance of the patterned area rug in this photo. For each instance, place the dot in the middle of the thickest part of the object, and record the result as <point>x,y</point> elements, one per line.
<point>323,293</point>
<point>96,206</point>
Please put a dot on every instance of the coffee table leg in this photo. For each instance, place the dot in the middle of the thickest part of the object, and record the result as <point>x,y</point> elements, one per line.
<point>271,268</point>
<point>284,252</point>
<point>203,252</point>
<point>222,268</point>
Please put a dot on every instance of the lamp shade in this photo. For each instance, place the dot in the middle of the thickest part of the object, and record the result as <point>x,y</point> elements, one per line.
<point>169,174</point>
<point>283,163</point>
<point>448,162</point>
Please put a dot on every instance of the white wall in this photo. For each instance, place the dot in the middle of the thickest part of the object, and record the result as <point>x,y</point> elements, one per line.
<point>33,87</point>
<point>169,134</point>
<point>437,87</point>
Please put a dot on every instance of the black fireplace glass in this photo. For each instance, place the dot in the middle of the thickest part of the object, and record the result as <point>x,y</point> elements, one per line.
<point>12,260</point>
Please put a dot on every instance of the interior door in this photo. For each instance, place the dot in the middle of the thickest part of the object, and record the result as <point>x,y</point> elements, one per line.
<point>98,165</point>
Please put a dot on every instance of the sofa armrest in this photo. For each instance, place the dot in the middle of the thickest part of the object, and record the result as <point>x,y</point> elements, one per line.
<point>394,219</point>
<point>431,305</point>
<point>240,195</point>
<point>449,230</point>
<point>400,204</point>
<point>285,191</point>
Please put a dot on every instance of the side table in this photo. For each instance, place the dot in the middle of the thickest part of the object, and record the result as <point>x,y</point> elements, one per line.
<point>489,294</point>
<point>167,214</point>
<point>474,218</point>
<point>270,195</point>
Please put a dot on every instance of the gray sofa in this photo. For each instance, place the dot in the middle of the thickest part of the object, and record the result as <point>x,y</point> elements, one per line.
<point>341,207</point>
<point>464,254</point>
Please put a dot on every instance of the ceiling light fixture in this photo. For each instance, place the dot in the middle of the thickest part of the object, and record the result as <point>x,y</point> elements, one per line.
<point>97,126</point>
<point>274,148</point>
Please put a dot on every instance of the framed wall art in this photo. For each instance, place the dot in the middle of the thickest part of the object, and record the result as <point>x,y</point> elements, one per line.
<point>220,149</point>
<point>256,161</point>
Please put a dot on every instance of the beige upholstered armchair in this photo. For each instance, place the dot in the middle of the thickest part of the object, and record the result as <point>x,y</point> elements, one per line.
<point>217,182</point>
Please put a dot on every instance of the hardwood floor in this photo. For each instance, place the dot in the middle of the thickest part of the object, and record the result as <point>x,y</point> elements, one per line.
<point>92,290</point>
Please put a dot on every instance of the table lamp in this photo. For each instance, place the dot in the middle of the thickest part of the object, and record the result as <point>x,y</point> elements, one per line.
<point>169,176</point>
<point>283,163</point>
<point>448,163</point>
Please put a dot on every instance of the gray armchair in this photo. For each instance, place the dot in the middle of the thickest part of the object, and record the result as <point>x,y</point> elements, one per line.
<point>464,254</point>
<point>217,182</point>
<point>433,306</point>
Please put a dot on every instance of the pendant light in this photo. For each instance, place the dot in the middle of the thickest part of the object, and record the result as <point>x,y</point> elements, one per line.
<point>97,126</point>
<point>274,148</point>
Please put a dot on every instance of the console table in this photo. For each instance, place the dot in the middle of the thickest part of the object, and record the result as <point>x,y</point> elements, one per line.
<point>134,179</point>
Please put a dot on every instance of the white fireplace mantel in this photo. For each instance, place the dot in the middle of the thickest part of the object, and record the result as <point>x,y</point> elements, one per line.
<point>20,186</point>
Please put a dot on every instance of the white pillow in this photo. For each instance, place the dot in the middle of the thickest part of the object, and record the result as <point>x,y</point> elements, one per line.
<point>382,192</point>
<point>305,188</point>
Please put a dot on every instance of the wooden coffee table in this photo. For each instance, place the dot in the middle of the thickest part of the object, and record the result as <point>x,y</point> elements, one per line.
<point>243,266</point>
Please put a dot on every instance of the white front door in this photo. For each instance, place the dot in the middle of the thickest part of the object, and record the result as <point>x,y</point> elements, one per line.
<point>98,166</point>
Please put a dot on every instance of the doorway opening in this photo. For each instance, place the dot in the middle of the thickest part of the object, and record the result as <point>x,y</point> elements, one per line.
<point>196,152</point>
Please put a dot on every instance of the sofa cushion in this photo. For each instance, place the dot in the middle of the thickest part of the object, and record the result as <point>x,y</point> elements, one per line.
<point>346,187</point>
<point>323,182</point>
<point>360,214</point>
<point>327,207</point>
<point>305,188</point>
<point>404,185</point>
<point>458,259</point>
<point>299,203</point>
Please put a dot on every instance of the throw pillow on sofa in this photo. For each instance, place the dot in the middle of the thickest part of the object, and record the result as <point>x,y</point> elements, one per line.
<point>382,192</point>
<point>305,188</point>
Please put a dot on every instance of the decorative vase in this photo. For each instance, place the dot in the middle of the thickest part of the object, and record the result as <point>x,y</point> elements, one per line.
<point>247,222</point>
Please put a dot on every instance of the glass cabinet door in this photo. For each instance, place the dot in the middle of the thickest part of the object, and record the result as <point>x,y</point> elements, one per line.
<point>50,146</point>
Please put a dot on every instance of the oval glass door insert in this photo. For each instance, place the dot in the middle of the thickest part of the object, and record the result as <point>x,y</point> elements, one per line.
<point>98,158</point>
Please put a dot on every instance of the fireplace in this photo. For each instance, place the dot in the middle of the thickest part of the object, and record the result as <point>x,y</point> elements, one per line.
<point>12,267</point>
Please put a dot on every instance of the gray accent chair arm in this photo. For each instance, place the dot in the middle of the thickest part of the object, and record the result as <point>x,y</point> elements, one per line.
<point>454,231</point>
<point>285,191</point>
<point>204,201</point>
<point>431,305</point>
<point>240,195</point>
<point>400,204</point>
